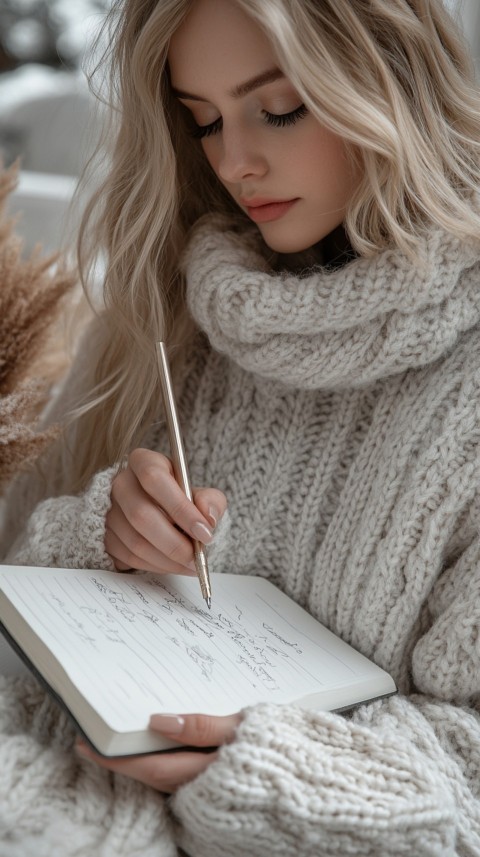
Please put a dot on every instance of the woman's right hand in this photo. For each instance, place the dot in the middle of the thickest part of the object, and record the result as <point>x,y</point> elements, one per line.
<point>151,522</point>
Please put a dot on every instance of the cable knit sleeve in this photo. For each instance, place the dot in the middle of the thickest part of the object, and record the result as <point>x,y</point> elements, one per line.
<point>399,776</point>
<point>68,532</point>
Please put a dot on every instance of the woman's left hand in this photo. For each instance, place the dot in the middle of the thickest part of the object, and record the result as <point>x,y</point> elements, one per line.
<point>166,772</point>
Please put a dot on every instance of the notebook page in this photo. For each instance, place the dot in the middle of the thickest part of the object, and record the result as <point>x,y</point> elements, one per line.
<point>138,644</point>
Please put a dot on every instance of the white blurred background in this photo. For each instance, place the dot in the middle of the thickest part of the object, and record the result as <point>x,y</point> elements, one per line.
<point>47,115</point>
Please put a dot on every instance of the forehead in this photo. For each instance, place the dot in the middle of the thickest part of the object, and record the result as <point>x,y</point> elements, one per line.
<point>217,44</point>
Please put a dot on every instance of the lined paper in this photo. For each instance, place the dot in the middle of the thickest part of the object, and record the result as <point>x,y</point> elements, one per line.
<point>144,643</point>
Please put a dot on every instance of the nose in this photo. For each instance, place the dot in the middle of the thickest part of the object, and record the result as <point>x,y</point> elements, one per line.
<point>241,156</point>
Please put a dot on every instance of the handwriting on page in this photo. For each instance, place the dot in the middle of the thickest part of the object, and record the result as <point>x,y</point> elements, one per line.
<point>164,651</point>
<point>194,626</point>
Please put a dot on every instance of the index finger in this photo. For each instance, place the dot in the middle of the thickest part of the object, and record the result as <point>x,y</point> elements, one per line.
<point>155,474</point>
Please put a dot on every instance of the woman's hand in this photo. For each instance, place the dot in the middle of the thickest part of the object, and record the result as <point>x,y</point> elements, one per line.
<point>166,772</point>
<point>151,518</point>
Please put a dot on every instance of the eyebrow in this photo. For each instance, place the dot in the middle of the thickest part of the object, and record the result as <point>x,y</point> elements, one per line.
<point>243,88</point>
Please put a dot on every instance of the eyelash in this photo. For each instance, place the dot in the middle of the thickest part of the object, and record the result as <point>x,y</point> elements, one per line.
<point>277,120</point>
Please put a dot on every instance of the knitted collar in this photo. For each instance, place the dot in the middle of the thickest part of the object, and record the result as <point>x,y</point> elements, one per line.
<point>330,329</point>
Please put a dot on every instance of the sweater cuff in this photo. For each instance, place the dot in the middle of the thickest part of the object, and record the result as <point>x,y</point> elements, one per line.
<point>315,783</point>
<point>69,532</point>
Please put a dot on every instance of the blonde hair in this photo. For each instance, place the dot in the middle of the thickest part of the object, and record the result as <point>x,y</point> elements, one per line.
<point>392,77</point>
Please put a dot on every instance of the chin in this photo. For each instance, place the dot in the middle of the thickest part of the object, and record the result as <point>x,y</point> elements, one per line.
<point>289,244</point>
<point>285,238</point>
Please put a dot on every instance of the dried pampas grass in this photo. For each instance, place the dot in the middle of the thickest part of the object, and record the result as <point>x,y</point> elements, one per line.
<point>32,295</point>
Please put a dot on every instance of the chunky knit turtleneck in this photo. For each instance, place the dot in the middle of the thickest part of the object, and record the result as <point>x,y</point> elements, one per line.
<point>339,411</point>
<point>335,329</point>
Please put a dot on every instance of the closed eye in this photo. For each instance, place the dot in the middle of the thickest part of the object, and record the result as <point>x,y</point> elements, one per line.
<point>278,120</point>
<point>201,131</point>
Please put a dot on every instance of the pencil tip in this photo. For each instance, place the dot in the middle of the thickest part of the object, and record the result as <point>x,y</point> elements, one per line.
<point>209,603</point>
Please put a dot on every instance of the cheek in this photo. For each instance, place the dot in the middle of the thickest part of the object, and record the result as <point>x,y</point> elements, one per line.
<point>324,164</point>
<point>211,152</point>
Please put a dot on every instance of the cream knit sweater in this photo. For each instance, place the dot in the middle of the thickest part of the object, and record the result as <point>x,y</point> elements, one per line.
<point>340,413</point>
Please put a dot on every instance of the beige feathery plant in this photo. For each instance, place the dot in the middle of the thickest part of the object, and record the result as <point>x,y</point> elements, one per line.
<point>31,297</point>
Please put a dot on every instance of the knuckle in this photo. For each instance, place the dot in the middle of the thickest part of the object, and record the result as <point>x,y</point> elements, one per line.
<point>150,475</point>
<point>136,544</point>
<point>181,508</point>
<point>144,462</point>
<point>136,457</point>
<point>121,554</point>
<point>179,553</point>
<point>204,729</point>
<point>138,516</point>
<point>129,558</point>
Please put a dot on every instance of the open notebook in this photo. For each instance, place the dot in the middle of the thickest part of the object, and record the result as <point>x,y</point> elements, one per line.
<point>115,648</point>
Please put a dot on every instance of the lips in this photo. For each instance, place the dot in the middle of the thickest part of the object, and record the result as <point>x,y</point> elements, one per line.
<point>263,210</point>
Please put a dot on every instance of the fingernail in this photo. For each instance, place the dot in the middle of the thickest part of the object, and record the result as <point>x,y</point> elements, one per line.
<point>172,724</point>
<point>213,515</point>
<point>202,533</point>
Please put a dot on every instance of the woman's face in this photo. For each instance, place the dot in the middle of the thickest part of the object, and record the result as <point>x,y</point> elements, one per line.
<point>280,165</point>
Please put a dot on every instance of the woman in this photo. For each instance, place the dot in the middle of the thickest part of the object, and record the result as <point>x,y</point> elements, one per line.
<point>292,203</point>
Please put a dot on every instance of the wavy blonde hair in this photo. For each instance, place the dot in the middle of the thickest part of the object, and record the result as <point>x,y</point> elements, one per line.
<point>392,77</point>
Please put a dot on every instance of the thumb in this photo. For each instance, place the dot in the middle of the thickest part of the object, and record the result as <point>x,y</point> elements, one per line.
<point>197,730</point>
<point>211,502</point>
